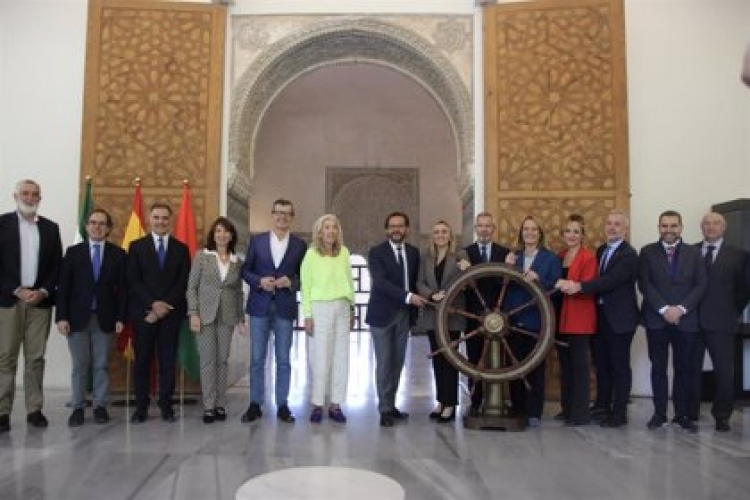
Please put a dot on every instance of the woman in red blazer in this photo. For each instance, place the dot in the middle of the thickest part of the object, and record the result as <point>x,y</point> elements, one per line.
<point>576,324</point>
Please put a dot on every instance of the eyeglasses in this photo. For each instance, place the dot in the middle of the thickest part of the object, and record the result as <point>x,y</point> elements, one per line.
<point>97,223</point>
<point>283,213</point>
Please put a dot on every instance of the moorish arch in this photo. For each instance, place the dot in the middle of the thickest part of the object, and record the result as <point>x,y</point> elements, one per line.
<point>343,41</point>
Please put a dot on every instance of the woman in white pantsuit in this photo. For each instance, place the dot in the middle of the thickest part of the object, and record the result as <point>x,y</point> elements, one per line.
<point>215,301</point>
<point>328,307</point>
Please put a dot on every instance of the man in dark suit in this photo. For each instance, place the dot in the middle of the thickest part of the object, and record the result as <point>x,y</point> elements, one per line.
<point>718,311</point>
<point>617,320</point>
<point>30,256</point>
<point>481,251</point>
<point>672,279</point>
<point>91,304</point>
<point>158,268</point>
<point>393,266</point>
<point>271,268</point>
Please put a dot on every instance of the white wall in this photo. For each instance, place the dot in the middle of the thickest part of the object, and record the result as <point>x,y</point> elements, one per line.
<point>689,116</point>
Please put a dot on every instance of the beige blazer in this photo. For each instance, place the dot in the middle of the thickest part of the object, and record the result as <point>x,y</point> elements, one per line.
<point>427,285</point>
<point>209,296</point>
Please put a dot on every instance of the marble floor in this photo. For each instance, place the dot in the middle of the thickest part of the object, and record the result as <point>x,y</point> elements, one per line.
<point>190,460</point>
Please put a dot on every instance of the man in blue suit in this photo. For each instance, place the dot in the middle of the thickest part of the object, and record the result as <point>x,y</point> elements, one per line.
<point>91,307</point>
<point>393,265</point>
<point>271,268</point>
<point>672,279</point>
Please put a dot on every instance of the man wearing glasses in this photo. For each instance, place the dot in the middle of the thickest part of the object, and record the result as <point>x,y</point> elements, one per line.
<point>271,268</point>
<point>91,305</point>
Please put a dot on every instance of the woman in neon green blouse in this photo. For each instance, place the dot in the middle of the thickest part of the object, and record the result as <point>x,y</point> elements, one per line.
<point>328,307</point>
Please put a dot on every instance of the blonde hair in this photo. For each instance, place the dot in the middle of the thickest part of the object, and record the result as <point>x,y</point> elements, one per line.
<point>451,244</point>
<point>317,235</point>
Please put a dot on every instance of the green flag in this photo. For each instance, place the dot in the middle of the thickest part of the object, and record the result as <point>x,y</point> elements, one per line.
<point>87,205</point>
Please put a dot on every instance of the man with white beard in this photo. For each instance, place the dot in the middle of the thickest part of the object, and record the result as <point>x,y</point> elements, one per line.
<point>30,258</point>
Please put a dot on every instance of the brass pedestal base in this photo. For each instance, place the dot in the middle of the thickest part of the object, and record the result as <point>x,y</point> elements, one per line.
<point>496,422</point>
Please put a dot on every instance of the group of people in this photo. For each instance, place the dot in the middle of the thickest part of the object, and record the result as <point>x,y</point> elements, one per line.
<point>692,297</point>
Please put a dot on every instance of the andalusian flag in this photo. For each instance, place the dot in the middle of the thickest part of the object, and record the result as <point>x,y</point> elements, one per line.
<point>187,350</point>
<point>87,206</point>
<point>133,231</point>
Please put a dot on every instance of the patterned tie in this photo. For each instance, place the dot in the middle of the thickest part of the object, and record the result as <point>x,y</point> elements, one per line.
<point>484,255</point>
<point>161,253</point>
<point>708,259</point>
<point>401,266</point>
<point>605,259</point>
<point>670,254</point>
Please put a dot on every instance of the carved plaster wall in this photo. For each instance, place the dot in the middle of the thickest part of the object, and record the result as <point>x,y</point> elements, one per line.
<point>269,52</point>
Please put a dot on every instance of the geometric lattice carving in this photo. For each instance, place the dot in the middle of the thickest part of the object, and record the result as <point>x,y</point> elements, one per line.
<point>363,197</point>
<point>557,125</point>
<point>153,104</point>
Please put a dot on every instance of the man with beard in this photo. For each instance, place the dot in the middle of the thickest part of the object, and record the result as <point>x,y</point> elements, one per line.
<point>30,257</point>
<point>393,265</point>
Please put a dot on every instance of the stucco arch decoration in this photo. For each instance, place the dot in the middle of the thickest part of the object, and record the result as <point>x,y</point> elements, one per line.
<point>341,41</point>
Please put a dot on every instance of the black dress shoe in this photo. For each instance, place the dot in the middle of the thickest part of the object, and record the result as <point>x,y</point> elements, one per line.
<point>386,419</point>
<point>100,415</point>
<point>220,414</point>
<point>435,414</point>
<point>209,416</point>
<point>656,422</point>
<point>37,419</point>
<point>722,425</point>
<point>399,415</point>
<point>686,424</point>
<point>4,423</point>
<point>139,417</point>
<point>562,416</point>
<point>168,415</point>
<point>253,413</point>
<point>76,418</point>
<point>285,415</point>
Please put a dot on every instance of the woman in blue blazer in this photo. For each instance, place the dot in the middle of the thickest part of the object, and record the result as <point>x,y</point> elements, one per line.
<point>540,265</point>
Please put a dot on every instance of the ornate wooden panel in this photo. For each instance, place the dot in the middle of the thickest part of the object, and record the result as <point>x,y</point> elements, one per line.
<point>152,107</point>
<point>556,117</point>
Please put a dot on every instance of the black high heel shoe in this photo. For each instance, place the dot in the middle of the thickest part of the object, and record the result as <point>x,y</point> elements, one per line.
<point>435,414</point>
<point>447,415</point>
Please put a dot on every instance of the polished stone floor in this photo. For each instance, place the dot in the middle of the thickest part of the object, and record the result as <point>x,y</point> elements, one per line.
<point>190,460</point>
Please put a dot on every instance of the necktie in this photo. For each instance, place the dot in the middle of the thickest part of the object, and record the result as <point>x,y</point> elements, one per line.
<point>670,255</point>
<point>96,261</point>
<point>605,259</point>
<point>709,257</point>
<point>161,253</point>
<point>401,266</point>
<point>96,266</point>
<point>484,255</point>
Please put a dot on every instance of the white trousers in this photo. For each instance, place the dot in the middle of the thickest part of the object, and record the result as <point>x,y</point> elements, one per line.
<point>329,356</point>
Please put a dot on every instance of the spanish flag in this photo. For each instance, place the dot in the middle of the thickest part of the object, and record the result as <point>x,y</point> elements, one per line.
<point>133,231</point>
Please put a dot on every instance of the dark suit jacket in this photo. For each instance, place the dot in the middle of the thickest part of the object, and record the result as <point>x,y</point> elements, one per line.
<point>726,293</point>
<point>76,289</point>
<point>259,264</point>
<point>489,288</point>
<point>549,268</point>
<point>615,286</point>
<point>387,296</point>
<point>684,286</point>
<point>50,258</point>
<point>147,282</point>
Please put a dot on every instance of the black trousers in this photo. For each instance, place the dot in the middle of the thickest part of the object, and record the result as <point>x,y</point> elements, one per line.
<point>610,352</point>
<point>574,376</point>
<point>529,401</point>
<point>683,345</point>
<point>720,346</point>
<point>161,336</point>
<point>446,376</point>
